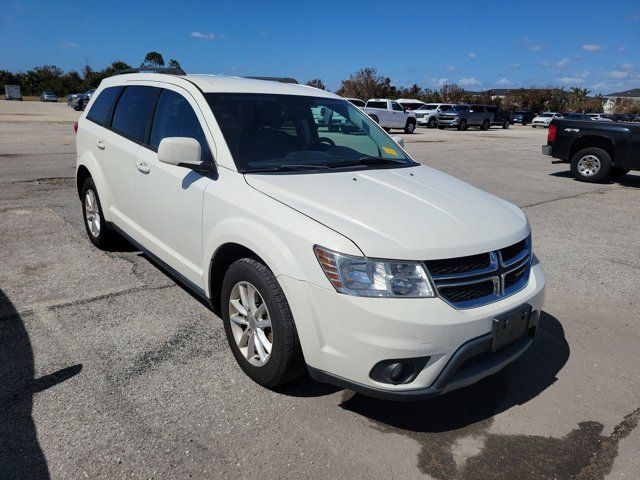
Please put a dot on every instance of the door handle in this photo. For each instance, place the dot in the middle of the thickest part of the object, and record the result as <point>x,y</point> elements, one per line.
<point>142,167</point>
<point>100,144</point>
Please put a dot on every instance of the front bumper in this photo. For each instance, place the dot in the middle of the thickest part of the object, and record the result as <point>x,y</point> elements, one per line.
<point>343,337</point>
<point>453,122</point>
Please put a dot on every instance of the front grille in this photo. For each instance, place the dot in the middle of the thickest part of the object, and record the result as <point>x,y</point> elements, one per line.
<point>475,280</point>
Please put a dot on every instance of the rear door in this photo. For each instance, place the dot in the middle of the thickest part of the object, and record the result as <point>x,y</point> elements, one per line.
<point>169,198</point>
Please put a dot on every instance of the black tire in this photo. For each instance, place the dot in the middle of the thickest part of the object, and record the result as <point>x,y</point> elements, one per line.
<point>431,123</point>
<point>462,125</point>
<point>600,171</point>
<point>506,124</point>
<point>524,124</point>
<point>486,124</point>
<point>374,118</point>
<point>386,129</point>
<point>410,127</point>
<point>534,126</point>
<point>618,172</point>
<point>440,127</point>
<point>106,237</point>
<point>286,362</point>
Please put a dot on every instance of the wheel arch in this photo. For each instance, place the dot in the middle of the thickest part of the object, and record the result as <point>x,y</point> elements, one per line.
<point>598,141</point>
<point>82,173</point>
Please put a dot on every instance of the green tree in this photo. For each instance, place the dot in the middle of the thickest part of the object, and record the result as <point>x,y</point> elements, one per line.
<point>317,83</point>
<point>452,93</point>
<point>577,98</point>
<point>367,83</point>
<point>173,63</point>
<point>153,60</point>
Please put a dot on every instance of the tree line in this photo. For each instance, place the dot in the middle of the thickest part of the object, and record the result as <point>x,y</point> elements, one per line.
<point>365,83</point>
<point>52,78</point>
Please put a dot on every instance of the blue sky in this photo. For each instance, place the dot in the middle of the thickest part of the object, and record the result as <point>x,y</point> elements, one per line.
<point>478,45</point>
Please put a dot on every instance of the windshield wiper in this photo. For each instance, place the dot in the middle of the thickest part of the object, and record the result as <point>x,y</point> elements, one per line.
<point>370,160</point>
<point>288,168</point>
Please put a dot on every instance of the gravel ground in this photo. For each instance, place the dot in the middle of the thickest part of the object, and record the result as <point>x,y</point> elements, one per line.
<point>108,369</point>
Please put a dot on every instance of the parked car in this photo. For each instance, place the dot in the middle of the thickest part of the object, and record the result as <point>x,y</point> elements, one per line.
<point>544,119</point>
<point>410,104</point>
<point>464,116</point>
<point>48,96</point>
<point>81,101</point>
<point>600,117</point>
<point>575,116</point>
<point>500,117</point>
<point>427,115</point>
<point>356,101</point>
<point>338,255</point>
<point>525,117</point>
<point>390,114</point>
<point>596,151</point>
<point>12,92</point>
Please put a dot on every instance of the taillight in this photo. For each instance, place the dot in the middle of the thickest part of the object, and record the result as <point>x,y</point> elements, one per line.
<point>551,136</point>
<point>75,127</point>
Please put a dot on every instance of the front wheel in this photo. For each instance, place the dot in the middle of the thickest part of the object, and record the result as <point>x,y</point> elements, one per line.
<point>431,123</point>
<point>409,127</point>
<point>506,124</point>
<point>485,125</point>
<point>259,324</point>
<point>440,127</point>
<point>462,125</point>
<point>591,165</point>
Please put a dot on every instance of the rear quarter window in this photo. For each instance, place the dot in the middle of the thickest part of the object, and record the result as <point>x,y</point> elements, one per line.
<point>101,109</point>
<point>133,111</point>
<point>382,105</point>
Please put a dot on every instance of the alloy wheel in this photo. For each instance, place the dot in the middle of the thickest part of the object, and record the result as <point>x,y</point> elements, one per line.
<point>250,323</point>
<point>589,165</point>
<point>92,213</point>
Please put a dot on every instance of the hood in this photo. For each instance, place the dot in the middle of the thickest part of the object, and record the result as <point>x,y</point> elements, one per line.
<point>415,213</point>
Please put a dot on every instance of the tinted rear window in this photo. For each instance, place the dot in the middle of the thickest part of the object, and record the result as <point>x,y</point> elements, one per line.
<point>358,103</point>
<point>382,105</point>
<point>133,111</point>
<point>101,108</point>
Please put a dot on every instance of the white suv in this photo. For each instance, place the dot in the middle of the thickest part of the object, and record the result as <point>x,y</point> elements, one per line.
<point>331,251</point>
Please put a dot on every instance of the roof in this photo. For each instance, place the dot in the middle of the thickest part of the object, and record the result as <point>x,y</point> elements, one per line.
<point>634,92</point>
<point>225,84</point>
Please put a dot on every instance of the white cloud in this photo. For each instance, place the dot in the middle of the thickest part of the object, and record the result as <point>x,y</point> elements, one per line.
<point>627,66</point>
<point>531,45</point>
<point>450,68</point>
<point>599,86</point>
<point>515,66</point>
<point>622,49</point>
<point>439,81</point>
<point>572,80</point>
<point>618,74</point>
<point>545,64</point>
<point>563,64</point>
<point>470,82</point>
<point>503,81</point>
<point>202,36</point>
<point>472,55</point>
<point>591,47</point>
<point>70,45</point>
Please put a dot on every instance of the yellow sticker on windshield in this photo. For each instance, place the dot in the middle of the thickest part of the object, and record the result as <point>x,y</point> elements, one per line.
<point>390,151</point>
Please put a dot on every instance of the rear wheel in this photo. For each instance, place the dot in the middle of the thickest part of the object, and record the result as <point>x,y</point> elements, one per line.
<point>374,118</point>
<point>440,127</point>
<point>100,234</point>
<point>259,324</point>
<point>409,127</point>
<point>386,129</point>
<point>506,124</point>
<point>591,165</point>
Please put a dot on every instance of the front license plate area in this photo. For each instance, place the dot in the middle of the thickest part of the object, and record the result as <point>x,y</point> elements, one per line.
<point>509,327</point>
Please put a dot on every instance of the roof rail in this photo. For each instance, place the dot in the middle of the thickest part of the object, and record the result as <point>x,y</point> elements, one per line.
<point>276,79</point>
<point>166,70</point>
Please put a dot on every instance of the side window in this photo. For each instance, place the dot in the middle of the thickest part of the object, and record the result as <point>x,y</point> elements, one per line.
<point>133,111</point>
<point>102,106</point>
<point>396,106</point>
<point>175,118</point>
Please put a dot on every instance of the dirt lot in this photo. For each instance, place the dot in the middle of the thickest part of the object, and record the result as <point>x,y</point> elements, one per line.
<point>108,369</point>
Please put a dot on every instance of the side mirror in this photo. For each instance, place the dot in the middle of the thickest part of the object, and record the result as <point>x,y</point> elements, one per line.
<point>180,151</point>
<point>399,140</point>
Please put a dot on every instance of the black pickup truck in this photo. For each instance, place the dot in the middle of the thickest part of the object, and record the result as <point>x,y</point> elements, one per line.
<point>595,150</point>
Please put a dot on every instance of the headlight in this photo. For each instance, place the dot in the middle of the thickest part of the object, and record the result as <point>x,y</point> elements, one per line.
<point>364,277</point>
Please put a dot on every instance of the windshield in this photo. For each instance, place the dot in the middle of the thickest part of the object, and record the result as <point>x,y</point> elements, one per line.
<point>545,115</point>
<point>266,132</point>
<point>428,107</point>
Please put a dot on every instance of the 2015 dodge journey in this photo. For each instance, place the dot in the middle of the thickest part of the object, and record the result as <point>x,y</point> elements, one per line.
<point>329,250</point>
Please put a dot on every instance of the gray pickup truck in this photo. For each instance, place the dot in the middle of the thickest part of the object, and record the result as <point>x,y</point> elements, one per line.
<point>596,151</point>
